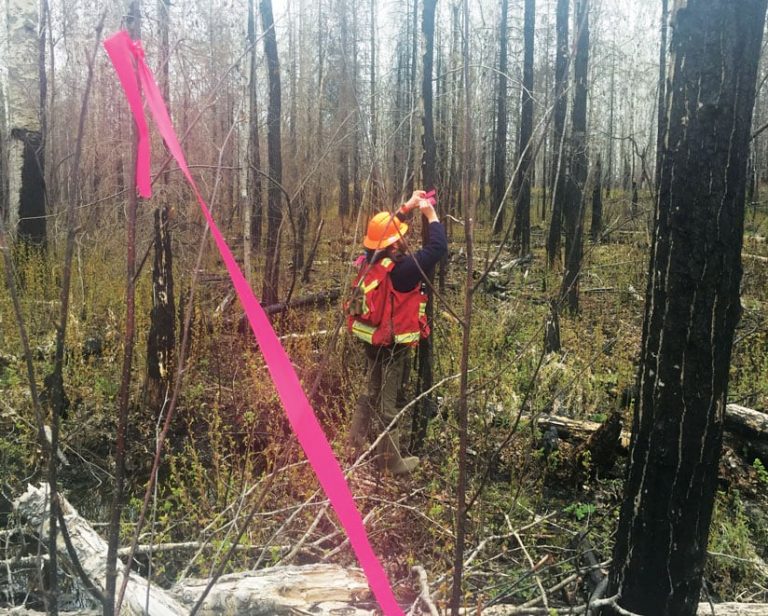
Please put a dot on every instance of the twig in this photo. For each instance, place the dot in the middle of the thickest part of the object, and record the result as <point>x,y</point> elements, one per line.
<point>223,563</point>
<point>424,595</point>
<point>533,568</point>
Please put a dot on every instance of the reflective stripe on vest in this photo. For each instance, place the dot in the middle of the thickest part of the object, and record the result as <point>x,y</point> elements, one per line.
<point>366,289</point>
<point>363,331</point>
<point>409,338</point>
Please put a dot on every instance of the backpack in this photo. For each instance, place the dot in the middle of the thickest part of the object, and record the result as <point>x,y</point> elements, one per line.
<point>371,289</point>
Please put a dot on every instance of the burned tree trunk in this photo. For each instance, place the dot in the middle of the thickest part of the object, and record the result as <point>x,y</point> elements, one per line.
<point>596,228</point>
<point>162,328</point>
<point>253,207</point>
<point>558,145</point>
<point>274,211</point>
<point>31,195</point>
<point>426,407</point>
<point>662,91</point>
<point>692,309</point>
<point>23,138</point>
<point>552,329</point>
<point>611,107</point>
<point>499,182</point>
<point>521,235</point>
<point>577,173</point>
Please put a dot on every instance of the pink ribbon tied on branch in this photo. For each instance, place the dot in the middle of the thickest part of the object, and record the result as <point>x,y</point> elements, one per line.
<point>127,56</point>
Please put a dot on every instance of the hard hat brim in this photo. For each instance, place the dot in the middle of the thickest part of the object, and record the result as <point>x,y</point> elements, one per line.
<point>387,241</point>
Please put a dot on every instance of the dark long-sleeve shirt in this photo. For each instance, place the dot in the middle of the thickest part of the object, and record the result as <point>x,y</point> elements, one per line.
<point>406,273</point>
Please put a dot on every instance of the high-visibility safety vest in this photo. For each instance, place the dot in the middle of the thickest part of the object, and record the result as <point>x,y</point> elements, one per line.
<point>381,315</point>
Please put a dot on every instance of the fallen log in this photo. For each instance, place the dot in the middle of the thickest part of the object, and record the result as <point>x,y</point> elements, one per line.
<point>316,589</point>
<point>576,429</point>
<point>322,589</point>
<point>742,420</point>
<point>704,609</point>
<point>318,299</point>
<point>91,551</point>
<point>22,611</point>
<point>744,426</point>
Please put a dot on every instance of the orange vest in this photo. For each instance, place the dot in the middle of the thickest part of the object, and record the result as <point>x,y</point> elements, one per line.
<point>380,315</point>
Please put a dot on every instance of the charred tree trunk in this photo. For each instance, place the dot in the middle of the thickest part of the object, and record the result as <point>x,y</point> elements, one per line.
<point>596,229</point>
<point>31,200</point>
<point>454,182</point>
<point>254,205</point>
<point>483,172</point>
<point>634,201</point>
<point>162,328</point>
<point>357,187</point>
<point>558,134</point>
<point>318,142</point>
<point>344,104</point>
<point>521,235</point>
<point>577,173</point>
<point>343,175</point>
<point>692,309</point>
<point>499,180</point>
<point>412,141</point>
<point>662,91</point>
<point>426,408</point>
<point>274,210</point>
<point>552,329</point>
<point>611,105</point>
<point>546,171</point>
<point>23,139</point>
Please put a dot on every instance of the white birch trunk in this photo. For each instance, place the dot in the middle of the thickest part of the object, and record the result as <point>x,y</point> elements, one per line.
<point>20,86</point>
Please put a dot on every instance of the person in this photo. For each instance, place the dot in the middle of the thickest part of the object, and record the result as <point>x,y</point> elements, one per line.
<point>387,313</point>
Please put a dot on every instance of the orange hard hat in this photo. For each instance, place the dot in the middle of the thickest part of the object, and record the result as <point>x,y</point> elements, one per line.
<point>384,229</point>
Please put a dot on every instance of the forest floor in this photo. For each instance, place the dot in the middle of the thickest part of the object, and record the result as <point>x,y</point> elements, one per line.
<point>538,525</point>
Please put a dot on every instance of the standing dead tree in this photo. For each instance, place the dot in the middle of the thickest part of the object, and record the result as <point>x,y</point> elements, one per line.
<point>558,134</point>
<point>521,236</point>
<point>274,211</point>
<point>252,209</point>
<point>162,328</point>
<point>692,309</point>
<point>22,139</point>
<point>498,180</point>
<point>426,406</point>
<point>596,227</point>
<point>662,91</point>
<point>577,171</point>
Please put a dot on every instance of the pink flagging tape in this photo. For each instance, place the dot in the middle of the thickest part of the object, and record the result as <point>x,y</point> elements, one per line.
<point>128,59</point>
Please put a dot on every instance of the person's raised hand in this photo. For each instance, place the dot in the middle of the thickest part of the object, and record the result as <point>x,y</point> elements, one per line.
<point>428,210</point>
<point>413,202</point>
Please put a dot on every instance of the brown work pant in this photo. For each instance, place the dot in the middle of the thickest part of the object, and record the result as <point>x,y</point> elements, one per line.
<point>387,372</point>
